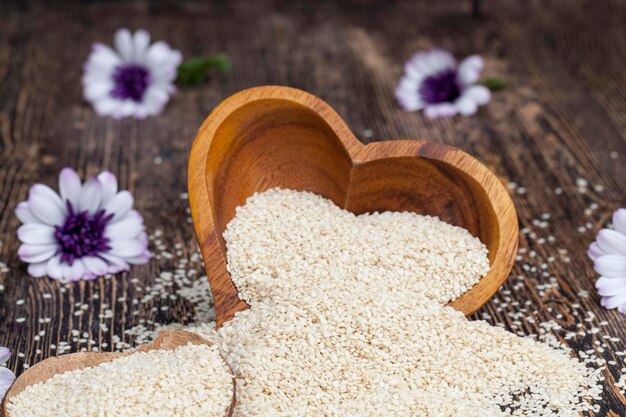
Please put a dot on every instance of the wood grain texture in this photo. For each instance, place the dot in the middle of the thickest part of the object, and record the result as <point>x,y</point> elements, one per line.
<point>560,118</point>
<point>267,137</point>
<point>46,369</point>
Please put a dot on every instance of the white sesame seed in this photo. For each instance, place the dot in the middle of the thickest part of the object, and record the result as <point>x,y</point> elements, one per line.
<point>191,380</point>
<point>316,314</point>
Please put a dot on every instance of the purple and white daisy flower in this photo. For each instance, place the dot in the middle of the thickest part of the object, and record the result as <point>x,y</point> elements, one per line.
<point>433,81</point>
<point>87,231</point>
<point>608,253</point>
<point>134,79</point>
<point>6,376</point>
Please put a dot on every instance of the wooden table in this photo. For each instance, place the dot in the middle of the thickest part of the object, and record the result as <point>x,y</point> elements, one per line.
<point>556,135</point>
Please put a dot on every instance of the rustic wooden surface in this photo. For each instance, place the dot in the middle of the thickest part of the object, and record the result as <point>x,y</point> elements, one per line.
<point>561,120</point>
<point>276,136</point>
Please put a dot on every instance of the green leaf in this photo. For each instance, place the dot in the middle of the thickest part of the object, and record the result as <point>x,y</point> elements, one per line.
<point>195,70</point>
<point>494,84</point>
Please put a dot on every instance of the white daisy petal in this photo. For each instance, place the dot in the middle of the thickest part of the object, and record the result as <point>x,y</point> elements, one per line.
<point>102,60</point>
<point>163,60</point>
<point>95,265</point>
<point>6,380</point>
<point>438,60</point>
<point>123,108</point>
<point>408,96</point>
<point>614,301</point>
<point>594,251</point>
<point>157,93</point>
<point>5,354</point>
<point>98,77</point>
<point>90,198</point>
<point>408,86</point>
<point>40,257</point>
<point>30,250</point>
<point>610,265</point>
<point>76,271</point>
<point>116,264</point>
<point>106,106</point>
<point>131,225</point>
<point>36,234</point>
<point>410,103</point>
<point>141,40</point>
<point>414,67</point>
<point>38,270</point>
<point>33,254</point>
<point>425,64</point>
<point>127,248</point>
<point>54,267</point>
<point>23,213</point>
<point>96,90</point>
<point>465,105</point>
<point>611,286</point>
<point>619,220</point>
<point>468,103</point>
<point>66,270</point>
<point>611,242</point>
<point>439,110</point>
<point>469,70</point>
<point>153,103</point>
<point>46,205</point>
<point>140,259</point>
<point>124,44</point>
<point>119,204</point>
<point>109,186</point>
<point>478,93</point>
<point>69,185</point>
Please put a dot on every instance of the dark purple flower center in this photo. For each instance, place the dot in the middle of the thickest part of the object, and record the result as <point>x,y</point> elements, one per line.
<point>130,82</point>
<point>82,234</point>
<point>440,88</point>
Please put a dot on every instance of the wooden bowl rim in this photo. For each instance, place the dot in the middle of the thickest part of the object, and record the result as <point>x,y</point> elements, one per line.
<point>80,358</point>
<point>359,153</point>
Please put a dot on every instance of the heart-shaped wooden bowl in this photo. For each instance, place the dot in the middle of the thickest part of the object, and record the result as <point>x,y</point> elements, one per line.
<point>42,371</point>
<point>267,137</point>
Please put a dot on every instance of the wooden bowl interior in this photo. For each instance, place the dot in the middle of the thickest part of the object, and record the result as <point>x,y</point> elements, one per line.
<point>268,137</point>
<point>268,144</point>
<point>428,187</point>
<point>279,143</point>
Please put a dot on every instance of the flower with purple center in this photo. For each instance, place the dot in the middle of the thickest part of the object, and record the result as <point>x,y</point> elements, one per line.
<point>87,231</point>
<point>6,376</point>
<point>433,82</point>
<point>134,79</point>
<point>608,253</point>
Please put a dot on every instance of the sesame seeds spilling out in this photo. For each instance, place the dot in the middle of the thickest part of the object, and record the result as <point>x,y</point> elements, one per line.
<point>192,380</point>
<point>348,318</point>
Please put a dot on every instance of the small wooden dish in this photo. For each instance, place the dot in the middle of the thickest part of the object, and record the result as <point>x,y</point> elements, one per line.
<point>268,137</point>
<point>42,371</point>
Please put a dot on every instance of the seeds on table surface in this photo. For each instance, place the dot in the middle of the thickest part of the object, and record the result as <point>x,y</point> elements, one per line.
<point>192,380</point>
<point>348,318</point>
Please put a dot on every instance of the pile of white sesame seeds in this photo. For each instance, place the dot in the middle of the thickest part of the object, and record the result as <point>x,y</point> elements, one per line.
<point>348,318</point>
<point>192,380</point>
